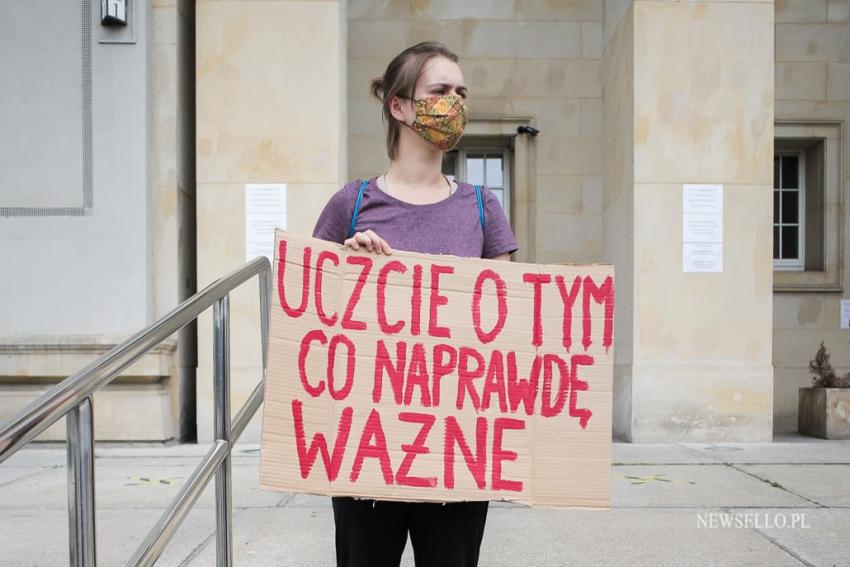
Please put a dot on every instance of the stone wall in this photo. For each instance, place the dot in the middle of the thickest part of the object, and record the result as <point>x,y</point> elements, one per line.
<point>89,222</point>
<point>812,84</point>
<point>618,202</point>
<point>690,100</point>
<point>270,109</point>
<point>519,58</point>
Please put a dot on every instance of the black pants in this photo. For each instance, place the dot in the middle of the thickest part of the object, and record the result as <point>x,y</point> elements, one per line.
<point>373,533</point>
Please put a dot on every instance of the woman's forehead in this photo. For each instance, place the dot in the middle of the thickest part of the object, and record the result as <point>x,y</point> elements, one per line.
<point>441,70</point>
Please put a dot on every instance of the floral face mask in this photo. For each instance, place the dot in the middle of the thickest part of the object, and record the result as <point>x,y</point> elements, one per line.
<point>440,119</point>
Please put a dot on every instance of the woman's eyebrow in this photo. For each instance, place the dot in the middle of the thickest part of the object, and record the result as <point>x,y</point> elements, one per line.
<point>460,88</point>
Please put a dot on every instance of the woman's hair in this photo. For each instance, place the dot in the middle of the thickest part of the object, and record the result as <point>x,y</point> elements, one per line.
<point>400,80</point>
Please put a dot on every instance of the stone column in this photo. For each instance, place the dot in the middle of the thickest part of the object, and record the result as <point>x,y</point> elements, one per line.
<point>689,99</point>
<point>270,109</point>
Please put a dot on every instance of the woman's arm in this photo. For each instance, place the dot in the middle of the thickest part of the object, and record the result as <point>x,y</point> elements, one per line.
<point>506,257</point>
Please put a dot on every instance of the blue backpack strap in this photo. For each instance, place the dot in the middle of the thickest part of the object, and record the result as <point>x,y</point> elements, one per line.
<point>351,227</point>
<point>479,198</point>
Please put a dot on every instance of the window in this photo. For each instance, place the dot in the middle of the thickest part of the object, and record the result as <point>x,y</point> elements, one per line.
<point>807,224</point>
<point>789,205</point>
<point>495,137</point>
<point>483,162</point>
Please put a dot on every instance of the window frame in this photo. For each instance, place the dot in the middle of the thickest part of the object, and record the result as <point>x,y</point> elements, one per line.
<point>490,145</point>
<point>827,273</point>
<point>504,130</point>
<point>798,264</point>
<point>505,153</point>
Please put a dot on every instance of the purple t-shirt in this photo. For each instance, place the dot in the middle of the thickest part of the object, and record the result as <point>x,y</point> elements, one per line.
<point>450,226</point>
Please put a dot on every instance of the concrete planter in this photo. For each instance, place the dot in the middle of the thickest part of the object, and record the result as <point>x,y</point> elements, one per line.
<point>824,413</point>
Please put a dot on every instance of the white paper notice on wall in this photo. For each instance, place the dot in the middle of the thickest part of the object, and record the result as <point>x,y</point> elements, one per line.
<point>265,210</point>
<point>702,227</point>
<point>845,314</point>
<point>703,257</point>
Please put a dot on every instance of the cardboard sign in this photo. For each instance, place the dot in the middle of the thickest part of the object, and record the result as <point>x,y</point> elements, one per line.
<point>437,378</point>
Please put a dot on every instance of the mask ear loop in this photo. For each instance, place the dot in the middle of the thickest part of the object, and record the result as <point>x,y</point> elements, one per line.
<point>414,111</point>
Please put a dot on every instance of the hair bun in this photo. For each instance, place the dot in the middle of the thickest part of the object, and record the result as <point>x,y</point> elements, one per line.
<point>377,88</point>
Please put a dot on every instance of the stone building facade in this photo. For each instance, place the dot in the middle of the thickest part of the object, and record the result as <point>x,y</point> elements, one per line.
<point>630,100</point>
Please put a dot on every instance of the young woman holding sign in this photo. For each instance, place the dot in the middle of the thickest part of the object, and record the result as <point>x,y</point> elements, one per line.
<point>414,207</point>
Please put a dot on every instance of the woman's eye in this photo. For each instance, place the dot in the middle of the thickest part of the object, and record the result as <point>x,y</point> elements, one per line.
<point>444,91</point>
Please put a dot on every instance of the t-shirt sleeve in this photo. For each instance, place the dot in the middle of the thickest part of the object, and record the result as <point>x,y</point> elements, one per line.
<point>498,236</point>
<point>334,219</point>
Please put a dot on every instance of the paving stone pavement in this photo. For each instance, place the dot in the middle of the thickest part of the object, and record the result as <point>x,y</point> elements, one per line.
<point>729,504</point>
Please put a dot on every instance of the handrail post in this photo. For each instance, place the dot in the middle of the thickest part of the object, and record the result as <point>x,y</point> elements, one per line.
<point>81,536</point>
<point>265,281</point>
<point>221,394</point>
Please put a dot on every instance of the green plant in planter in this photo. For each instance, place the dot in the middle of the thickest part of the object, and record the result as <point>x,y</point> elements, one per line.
<point>823,375</point>
<point>824,407</point>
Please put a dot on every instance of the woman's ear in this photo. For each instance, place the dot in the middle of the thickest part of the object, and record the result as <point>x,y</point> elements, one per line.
<point>397,109</point>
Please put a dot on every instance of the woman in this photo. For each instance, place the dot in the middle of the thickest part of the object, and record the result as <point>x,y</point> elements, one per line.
<point>414,207</point>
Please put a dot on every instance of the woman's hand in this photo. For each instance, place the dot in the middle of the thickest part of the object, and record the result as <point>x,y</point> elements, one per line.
<point>370,240</point>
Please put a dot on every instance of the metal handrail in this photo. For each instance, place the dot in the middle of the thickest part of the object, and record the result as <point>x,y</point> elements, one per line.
<point>73,398</point>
